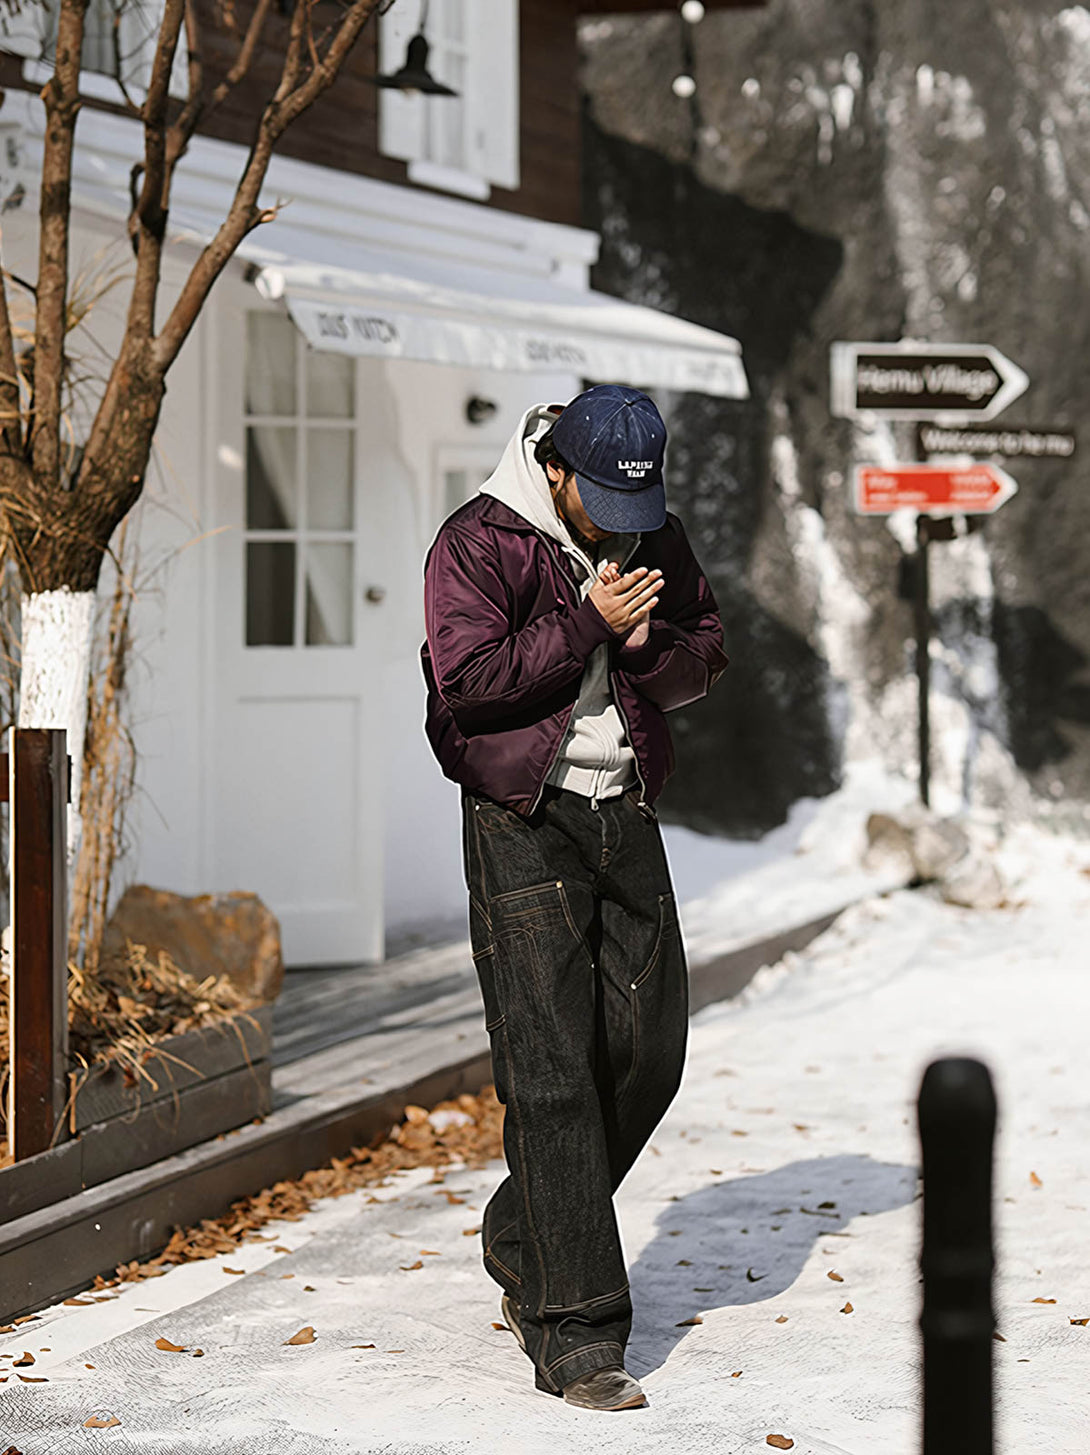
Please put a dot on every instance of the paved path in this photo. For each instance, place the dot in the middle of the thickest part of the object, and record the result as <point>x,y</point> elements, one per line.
<point>789,1154</point>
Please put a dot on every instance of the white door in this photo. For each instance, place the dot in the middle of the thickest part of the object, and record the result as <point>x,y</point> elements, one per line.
<point>295,782</point>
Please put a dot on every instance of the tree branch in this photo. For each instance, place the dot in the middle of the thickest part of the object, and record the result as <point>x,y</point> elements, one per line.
<point>129,408</point>
<point>198,107</point>
<point>295,92</point>
<point>61,97</point>
<point>150,219</point>
<point>11,432</point>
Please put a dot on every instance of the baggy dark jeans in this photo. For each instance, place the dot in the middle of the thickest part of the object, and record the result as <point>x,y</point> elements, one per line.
<point>576,942</point>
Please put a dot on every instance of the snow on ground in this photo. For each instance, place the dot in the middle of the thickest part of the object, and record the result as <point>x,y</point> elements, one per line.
<point>789,1154</point>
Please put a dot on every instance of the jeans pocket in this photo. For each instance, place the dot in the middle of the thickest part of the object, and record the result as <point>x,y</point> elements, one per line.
<point>667,926</point>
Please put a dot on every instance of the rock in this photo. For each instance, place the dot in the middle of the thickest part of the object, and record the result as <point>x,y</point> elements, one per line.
<point>889,842</point>
<point>928,846</point>
<point>974,882</point>
<point>208,934</point>
<point>937,845</point>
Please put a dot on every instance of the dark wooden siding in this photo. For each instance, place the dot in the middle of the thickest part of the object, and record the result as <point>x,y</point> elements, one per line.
<point>341,129</point>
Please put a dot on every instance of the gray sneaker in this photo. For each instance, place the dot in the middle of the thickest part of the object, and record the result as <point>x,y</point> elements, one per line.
<point>606,1389</point>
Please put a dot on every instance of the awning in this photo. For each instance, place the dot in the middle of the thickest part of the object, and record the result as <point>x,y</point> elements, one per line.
<point>439,312</point>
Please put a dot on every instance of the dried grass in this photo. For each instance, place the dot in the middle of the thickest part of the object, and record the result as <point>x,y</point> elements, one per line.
<point>121,1014</point>
<point>109,765</point>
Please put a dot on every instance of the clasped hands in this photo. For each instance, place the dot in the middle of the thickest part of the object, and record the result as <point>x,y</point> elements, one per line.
<point>626,601</point>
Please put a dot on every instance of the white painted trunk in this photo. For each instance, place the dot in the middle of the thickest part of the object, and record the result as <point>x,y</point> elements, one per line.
<point>56,655</point>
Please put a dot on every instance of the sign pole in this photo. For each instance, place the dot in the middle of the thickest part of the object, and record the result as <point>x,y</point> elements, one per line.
<point>923,652</point>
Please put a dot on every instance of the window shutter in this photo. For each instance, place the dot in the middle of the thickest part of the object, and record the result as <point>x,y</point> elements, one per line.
<point>492,142</point>
<point>400,117</point>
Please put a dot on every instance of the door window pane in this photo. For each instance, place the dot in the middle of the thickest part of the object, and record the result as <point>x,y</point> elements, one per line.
<point>270,478</point>
<point>329,479</point>
<point>454,485</point>
<point>329,595</point>
<point>270,593</point>
<point>330,385</point>
<point>270,363</point>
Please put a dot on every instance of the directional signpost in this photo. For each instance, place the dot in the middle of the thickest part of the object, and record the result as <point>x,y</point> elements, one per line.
<point>955,383</point>
<point>936,489</point>
<point>934,385</point>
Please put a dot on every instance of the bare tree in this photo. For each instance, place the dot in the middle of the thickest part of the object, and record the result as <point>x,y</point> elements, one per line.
<point>61,500</point>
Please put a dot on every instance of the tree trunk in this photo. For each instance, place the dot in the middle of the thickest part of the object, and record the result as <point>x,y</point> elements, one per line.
<point>56,651</point>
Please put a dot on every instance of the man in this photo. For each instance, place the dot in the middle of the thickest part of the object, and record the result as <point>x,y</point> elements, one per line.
<point>547,681</point>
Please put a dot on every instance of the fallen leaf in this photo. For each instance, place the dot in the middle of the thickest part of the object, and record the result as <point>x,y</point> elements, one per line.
<point>28,1358</point>
<point>781,1442</point>
<point>1002,1338</point>
<point>26,1319</point>
<point>470,1232</point>
<point>1082,1323</point>
<point>684,1263</point>
<point>287,1275</point>
<point>1044,1300</point>
<point>78,1303</point>
<point>450,1196</point>
<point>33,1379</point>
<point>279,1248</point>
<point>395,1351</point>
<point>309,1288</point>
<point>11,1450</point>
<point>236,1271</point>
<point>847,1309</point>
<point>431,1252</point>
<point>654,1149</point>
<point>169,1347</point>
<point>782,1319</point>
<point>94,1423</point>
<point>198,1353</point>
<point>834,1276</point>
<point>1035,1180</point>
<point>736,1133</point>
<point>499,1326</point>
<point>371,1346</point>
<point>703,1290</point>
<point>304,1336</point>
<point>685,1322</point>
<point>716,1171</point>
<point>754,1277</point>
<point>737,1374</point>
<point>410,1267</point>
<point>800,1126</point>
<point>416,1114</point>
<point>88,1366</point>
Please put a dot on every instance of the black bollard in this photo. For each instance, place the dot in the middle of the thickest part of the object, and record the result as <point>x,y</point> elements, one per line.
<point>957,1115</point>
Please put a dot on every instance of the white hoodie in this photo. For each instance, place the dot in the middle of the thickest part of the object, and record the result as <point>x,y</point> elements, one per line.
<point>595,758</point>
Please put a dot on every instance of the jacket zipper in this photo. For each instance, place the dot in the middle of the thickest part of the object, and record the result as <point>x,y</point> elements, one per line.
<point>643,806</point>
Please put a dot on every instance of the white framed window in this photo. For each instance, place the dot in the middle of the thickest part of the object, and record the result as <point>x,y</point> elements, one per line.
<point>467,143</point>
<point>300,520</point>
<point>119,38</point>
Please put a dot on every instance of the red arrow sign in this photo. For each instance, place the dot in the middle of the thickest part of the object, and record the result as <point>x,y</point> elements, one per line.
<point>931,489</point>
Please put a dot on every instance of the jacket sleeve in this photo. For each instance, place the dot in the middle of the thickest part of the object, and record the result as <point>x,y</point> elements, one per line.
<point>683,656</point>
<point>484,670</point>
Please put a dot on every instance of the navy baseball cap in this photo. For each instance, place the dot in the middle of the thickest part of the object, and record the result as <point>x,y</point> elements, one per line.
<point>614,439</point>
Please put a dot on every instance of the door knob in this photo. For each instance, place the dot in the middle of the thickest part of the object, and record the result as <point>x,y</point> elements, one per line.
<point>375,593</point>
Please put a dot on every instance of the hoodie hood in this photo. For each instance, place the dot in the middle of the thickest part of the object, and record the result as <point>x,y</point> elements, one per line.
<point>521,483</point>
